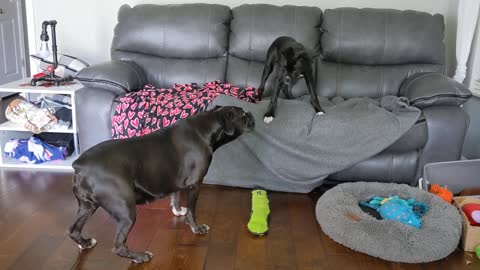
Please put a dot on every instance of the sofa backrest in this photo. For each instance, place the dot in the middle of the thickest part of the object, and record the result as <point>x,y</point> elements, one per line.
<point>370,52</point>
<point>174,43</point>
<point>358,52</point>
<point>255,27</point>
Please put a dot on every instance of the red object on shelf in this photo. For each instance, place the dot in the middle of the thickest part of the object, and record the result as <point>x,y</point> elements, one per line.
<point>41,74</point>
<point>50,69</point>
<point>472,211</point>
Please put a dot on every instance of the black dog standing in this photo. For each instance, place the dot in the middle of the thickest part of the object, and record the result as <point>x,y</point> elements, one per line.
<point>118,174</point>
<point>293,63</point>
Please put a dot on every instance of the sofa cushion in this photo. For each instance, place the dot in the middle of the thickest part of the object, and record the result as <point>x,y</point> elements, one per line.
<point>165,72</point>
<point>434,89</point>
<point>255,27</point>
<point>173,31</point>
<point>174,43</point>
<point>382,36</point>
<point>249,73</point>
<point>347,80</point>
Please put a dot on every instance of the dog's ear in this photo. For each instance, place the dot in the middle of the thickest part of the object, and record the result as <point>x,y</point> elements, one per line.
<point>228,127</point>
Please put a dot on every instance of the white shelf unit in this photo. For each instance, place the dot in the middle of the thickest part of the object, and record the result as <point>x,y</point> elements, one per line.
<point>10,130</point>
<point>16,127</point>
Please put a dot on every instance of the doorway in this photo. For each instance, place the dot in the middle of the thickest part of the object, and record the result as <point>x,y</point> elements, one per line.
<point>13,42</point>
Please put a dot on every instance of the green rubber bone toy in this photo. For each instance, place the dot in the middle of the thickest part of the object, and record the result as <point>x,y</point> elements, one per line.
<point>258,224</point>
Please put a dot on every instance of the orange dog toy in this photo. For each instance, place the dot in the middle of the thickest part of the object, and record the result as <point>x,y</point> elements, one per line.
<point>441,192</point>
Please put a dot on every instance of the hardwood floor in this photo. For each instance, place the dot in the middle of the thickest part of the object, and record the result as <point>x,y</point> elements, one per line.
<point>36,208</point>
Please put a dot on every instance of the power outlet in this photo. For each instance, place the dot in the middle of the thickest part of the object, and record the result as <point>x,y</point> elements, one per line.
<point>475,87</point>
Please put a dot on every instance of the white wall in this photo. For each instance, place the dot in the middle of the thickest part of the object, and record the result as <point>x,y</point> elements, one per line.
<point>473,67</point>
<point>85,28</point>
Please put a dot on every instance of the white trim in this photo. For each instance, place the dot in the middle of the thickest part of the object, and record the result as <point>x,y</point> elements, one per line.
<point>31,32</point>
<point>9,125</point>
<point>21,35</point>
<point>475,64</point>
<point>50,165</point>
<point>467,20</point>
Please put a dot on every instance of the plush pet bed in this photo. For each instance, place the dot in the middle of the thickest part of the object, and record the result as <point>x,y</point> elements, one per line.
<point>345,222</point>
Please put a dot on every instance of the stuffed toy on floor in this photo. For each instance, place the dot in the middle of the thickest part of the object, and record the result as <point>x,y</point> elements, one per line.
<point>408,211</point>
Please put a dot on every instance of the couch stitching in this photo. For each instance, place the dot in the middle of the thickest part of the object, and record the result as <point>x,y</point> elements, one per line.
<point>339,51</point>
<point>410,82</point>
<point>102,81</point>
<point>294,22</point>
<point>383,54</point>
<point>382,73</point>
<point>134,71</point>
<point>338,76</point>
<point>250,46</point>
<point>340,34</point>
<point>390,169</point>
<point>208,42</point>
<point>164,45</point>
<point>386,37</point>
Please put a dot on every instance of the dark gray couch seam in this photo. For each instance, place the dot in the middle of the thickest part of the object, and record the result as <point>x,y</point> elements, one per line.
<point>208,42</point>
<point>134,71</point>
<point>383,53</point>
<point>250,45</point>
<point>102,81</point>
<point>294,22</point>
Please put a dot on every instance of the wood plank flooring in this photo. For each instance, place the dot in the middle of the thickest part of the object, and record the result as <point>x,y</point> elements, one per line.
<point>36,207</point>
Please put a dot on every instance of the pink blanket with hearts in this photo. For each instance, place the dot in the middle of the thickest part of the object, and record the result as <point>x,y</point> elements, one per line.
<point>149,109</point>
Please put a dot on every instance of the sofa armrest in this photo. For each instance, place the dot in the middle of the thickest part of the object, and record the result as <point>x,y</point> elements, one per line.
<point>447,126</point>
<point>94,116</point>
<point>434,89</point>
<point>119,77</point>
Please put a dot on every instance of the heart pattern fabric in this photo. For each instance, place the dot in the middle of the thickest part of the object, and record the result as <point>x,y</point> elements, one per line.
<point>147,110</point>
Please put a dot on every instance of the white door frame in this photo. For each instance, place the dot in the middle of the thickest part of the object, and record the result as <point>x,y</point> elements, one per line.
<point>31,32</point>
<point>21,13</point>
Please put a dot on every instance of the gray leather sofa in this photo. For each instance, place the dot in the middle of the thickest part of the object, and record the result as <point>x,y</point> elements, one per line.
<point>359,52</point>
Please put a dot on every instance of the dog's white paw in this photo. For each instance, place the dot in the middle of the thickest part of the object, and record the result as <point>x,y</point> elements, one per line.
<point>200,229</point>
<point>142,257</point>
<point>268,119</point>
<point>320,113</point>
<point>183,211</point>
<point>93,242</point>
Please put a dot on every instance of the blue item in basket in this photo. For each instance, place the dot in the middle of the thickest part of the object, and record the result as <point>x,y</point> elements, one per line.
<point>409,211</point>
<point>34,150</point>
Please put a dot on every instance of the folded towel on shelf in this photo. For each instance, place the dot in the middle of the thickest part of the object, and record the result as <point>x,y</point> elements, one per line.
<point>33,150</point>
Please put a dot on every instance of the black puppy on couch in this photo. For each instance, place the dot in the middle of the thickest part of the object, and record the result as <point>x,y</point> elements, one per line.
<point>292,62</point>
<point>118,174</point>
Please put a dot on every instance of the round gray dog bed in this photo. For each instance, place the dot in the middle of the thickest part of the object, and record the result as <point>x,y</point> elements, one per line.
<point>345,222</point>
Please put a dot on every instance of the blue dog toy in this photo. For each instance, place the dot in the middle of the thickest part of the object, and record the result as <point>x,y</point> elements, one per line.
<point>408,211</point>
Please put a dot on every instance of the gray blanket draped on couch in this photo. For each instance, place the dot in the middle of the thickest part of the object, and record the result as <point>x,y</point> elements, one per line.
<point>299,149</point>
